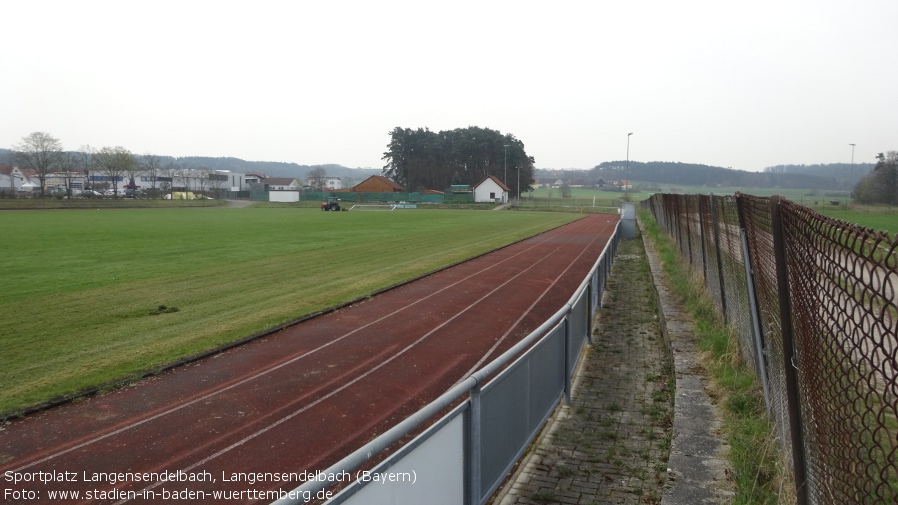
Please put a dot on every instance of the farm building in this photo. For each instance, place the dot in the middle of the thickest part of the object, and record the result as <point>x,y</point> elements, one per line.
<point>377,184</point>
<point>491,189</point>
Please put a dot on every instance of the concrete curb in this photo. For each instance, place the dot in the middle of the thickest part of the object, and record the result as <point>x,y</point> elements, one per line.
<point>697,470</point>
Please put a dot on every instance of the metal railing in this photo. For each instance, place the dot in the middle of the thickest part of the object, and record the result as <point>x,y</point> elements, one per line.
<point>814,302</point>
<point>463,457</point>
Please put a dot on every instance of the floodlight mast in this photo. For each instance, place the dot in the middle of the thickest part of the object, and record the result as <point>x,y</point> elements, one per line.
<point>627,185</point>
<point>850,176</point>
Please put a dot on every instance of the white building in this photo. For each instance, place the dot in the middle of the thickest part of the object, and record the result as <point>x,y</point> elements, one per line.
<point>492,190</point>
<point>11,179</point>
<point>332,183</point>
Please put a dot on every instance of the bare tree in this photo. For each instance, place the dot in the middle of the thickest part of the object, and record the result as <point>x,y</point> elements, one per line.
<point>115,162</point>
<point>204,178</point>
<point>85,157</point>
<point>132,172</point>
<point>170,171</point>
<point>317,178</point>
<point>186,173</point>
<point>216,179</point>
<point>152,168</point>
<point>40,152</point>
<point>70,169</point>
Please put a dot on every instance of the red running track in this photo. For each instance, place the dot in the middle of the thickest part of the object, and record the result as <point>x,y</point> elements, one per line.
<point>302,398</point>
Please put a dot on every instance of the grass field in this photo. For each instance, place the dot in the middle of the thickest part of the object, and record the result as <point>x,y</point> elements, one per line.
<point>84,290</point>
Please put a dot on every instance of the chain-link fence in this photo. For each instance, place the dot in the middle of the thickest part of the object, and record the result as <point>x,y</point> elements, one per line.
<point>814,302</point>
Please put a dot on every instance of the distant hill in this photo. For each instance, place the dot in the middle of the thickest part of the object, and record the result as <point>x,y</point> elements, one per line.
<point>275,168</point>
<point>821,177</point>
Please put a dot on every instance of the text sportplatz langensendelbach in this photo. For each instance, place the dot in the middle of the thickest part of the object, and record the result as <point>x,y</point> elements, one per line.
<point>179,477</point>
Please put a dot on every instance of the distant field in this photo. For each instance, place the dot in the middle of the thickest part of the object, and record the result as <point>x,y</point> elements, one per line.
<point>83,290</point>
<point>878,217</point>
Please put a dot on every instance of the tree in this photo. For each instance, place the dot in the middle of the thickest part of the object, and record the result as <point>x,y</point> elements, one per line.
<point>151,166</point>
<point>115,163</point>
<point>170,171</point>
<point>40,152</point>
<point>204,178</point>
<point>86,160</point>
<point>317,178</point>
<point>185,173</point>
<point>216,180</point>
<point>70,168</point>
<point>422,159</point>
<point>132,172</point>
<point>885,174</point>
<point>881,184</point>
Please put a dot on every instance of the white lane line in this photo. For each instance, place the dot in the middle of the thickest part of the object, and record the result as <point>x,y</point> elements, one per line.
<point>350,383</point>
<point>261,373</point>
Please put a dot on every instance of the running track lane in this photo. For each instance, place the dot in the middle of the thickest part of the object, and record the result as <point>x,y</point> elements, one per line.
<point>304,397</point>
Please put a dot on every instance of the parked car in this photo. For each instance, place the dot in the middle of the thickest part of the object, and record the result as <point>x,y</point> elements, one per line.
<point>89,193</point>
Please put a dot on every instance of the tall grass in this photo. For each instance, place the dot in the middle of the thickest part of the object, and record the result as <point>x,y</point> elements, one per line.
<point>95,296</point>
<point>754,454</point>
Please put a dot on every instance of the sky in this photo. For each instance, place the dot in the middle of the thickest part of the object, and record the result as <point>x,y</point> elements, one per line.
<point>744,85</point>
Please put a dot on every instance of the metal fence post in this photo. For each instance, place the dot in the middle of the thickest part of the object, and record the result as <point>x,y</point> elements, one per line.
<point>755,316</point>
<point>702,239</point>
<point>589,309</point>
<point>715,224</point>
<point>789,365</point>
<point>567,360</point>
<point>473,461</point>
<point>688,230</point>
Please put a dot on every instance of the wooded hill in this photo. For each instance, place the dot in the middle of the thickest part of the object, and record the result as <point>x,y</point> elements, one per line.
<point>837,176</point>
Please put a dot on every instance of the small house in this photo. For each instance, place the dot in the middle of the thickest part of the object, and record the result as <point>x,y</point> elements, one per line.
<point>491,189</point>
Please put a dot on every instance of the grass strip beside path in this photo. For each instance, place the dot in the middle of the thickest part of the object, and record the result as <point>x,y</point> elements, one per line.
<point>754,453</point>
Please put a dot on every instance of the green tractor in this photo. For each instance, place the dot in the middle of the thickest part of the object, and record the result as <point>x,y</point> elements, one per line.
<point>332,203</point>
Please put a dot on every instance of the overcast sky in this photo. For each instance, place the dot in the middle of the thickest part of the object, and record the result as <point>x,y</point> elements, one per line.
<point>735,84</point>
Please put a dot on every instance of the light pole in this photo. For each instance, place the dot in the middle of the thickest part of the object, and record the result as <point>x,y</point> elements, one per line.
<point>505,178</point>
<point>627,185</point>
<point>850,175</point>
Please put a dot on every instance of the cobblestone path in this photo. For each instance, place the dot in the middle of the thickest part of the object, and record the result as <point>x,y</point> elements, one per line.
<point>611,445</point>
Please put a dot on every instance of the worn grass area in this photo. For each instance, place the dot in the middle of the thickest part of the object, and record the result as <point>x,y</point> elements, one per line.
<point>754,454</point>
<point>94,296</point>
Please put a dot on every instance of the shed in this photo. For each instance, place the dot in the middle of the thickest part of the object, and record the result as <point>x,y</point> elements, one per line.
<point>491,189</point>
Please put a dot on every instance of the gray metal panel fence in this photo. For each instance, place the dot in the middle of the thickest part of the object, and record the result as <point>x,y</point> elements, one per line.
<point>498,422</point>
<point>516,405</point>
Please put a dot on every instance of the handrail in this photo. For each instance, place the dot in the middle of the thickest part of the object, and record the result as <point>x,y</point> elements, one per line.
<point>403,428</point>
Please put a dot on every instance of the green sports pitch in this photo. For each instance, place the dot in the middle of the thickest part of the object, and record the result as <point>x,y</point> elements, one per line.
<point>95,297</point>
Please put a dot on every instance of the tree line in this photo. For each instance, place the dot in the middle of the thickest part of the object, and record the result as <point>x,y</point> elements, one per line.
<point>881,184</point>
<point>421,159</point>
<point>692,174</point>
